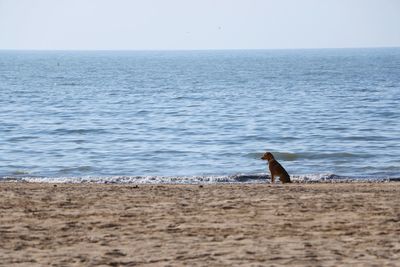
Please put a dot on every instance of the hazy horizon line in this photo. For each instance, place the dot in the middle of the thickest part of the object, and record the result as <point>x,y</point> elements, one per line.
<point>193,49</point>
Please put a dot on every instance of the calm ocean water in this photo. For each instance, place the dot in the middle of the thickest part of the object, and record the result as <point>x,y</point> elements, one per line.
<point>195,116</point>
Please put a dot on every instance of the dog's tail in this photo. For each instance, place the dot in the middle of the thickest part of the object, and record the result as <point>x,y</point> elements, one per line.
<point>285,177</point>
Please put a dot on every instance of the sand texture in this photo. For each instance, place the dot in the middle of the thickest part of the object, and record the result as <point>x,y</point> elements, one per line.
<point>354,224</point>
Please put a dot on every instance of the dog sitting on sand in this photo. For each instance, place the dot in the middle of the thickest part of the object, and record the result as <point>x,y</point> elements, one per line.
<point>276,169</point>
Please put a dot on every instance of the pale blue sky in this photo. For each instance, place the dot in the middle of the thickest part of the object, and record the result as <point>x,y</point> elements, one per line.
<point>198,24</point>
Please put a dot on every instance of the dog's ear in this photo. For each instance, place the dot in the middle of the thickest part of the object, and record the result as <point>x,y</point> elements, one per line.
<point>267,156</point>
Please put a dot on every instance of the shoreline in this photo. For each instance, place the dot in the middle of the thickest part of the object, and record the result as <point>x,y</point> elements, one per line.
<point>302,224</point>
<point>239,178</point>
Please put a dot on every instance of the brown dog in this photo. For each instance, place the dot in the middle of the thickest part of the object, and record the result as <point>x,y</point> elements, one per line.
<point>276,169</point>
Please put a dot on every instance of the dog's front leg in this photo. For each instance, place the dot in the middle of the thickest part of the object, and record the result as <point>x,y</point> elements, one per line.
<point>272,178</point>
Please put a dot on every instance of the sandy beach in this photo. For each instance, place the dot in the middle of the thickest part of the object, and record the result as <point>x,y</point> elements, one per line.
<point>350,224</point>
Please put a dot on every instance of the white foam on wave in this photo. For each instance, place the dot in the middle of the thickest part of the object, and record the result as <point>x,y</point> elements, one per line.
<point>333,178</point>
<point>236,178</point>
<point>257,178</point>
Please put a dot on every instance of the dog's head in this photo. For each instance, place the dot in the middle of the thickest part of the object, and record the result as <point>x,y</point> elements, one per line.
<point>267,156</point>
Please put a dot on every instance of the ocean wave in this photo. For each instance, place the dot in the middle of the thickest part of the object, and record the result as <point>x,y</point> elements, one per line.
<point>288,156</point>
<point>209,179</point>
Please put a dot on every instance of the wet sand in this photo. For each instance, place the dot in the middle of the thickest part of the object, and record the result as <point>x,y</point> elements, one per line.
<point>353,224</point>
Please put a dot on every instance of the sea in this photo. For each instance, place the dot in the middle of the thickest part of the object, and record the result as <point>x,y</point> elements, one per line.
<point>327,115</point>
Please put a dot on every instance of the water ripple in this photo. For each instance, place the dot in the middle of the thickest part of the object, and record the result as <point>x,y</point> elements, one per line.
<point>173,114</point>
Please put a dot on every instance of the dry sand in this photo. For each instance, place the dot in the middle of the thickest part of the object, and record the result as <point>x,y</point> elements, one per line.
<point>355,224</point>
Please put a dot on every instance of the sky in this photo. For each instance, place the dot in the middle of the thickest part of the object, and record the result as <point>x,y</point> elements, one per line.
<point>198,24</point>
